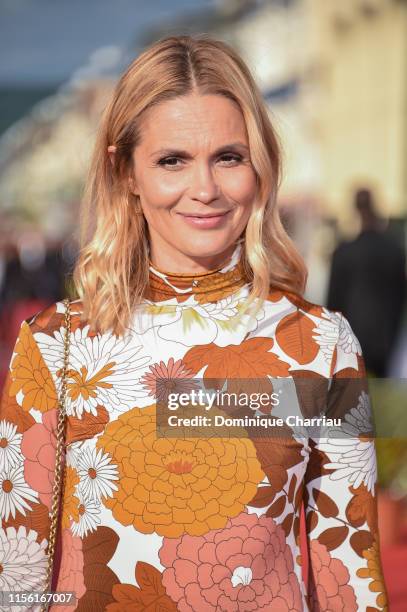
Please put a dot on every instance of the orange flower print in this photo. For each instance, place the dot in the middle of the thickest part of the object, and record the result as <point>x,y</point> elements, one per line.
<point>30,375</point>
<point>374,572</point>
<point>173,486</point>
<point>70,507</point>
<point>99,372</point>
<point>165,379</point>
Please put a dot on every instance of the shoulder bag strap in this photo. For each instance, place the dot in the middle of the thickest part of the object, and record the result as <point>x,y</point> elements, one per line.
<point>60,434</point>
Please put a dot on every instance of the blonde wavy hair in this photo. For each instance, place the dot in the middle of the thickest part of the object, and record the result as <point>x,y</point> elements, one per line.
<point>112,270</point>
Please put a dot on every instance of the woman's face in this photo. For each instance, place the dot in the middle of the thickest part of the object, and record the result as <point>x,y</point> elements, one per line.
<point>193,160</point>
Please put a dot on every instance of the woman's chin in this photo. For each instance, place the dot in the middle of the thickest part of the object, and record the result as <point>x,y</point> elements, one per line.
<point>207,247</point>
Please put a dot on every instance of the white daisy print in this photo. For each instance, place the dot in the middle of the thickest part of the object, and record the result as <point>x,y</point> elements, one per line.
<point>354,457</point>
<point>334,330</point>
<point>22,560</point>
<point>327,333</point>
<point>15,493</point>
<point>356,462</point>
<point>347,339</point>
<point>103,369</point>
<point>10,446</point>
<point>97,474</point>
<point>359,420</point>
<point>89,510</point>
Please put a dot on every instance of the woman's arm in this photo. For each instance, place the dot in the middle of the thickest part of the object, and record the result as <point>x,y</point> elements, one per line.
<point>28,413</point>
<point>341,493</point>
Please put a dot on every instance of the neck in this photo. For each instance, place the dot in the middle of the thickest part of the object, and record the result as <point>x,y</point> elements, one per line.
<point>185,264</point>
<point>207,286</point>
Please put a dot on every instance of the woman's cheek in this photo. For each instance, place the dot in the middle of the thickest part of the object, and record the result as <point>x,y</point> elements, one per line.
<point>164,189</point>
<point>240,186</point>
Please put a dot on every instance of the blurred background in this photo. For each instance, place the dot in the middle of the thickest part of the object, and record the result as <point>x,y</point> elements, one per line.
<point>334,76</point>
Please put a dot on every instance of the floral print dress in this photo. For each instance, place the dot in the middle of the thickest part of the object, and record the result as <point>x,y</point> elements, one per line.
<point>197,525</point>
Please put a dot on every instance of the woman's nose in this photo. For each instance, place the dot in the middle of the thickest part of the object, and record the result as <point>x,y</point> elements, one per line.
<point>204,187</point>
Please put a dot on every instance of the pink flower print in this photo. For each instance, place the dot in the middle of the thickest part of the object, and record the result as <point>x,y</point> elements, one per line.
<point>38,447</point>
<point>330,589</point>
<point>245,566</point>
<point>71,572</point>
<point>164,379</point>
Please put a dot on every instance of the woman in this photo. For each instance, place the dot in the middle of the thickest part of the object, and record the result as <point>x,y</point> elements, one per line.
<point>186,275</point>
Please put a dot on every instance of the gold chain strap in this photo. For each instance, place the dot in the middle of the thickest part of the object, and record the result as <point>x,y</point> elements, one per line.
<point>56,492</point>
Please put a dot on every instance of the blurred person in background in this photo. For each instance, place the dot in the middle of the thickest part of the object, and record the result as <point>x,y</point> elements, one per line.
<point>33,276</point>
<point>368,285</point>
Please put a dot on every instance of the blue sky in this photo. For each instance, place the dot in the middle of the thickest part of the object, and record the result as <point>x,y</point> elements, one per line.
<point>44,41</point>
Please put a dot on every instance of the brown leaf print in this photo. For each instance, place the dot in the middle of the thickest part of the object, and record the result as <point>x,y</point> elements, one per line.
<point>277,508</point>
<point>316,463</point>
<point>361,508</point>
<point>294,334</point>
<point>325,504</point>
<point>37,519</point>
<point>86,427</point>
<point>49,320</point>
<point>150,595</point>
<point>361,541</point>
<point>263,497</point>
<point>360,372</point>
<point>278,478</point>
<point>12,411</point>
<point>98,548</point>
<point>333,537</point>
<point>276,454</point>
<point>287,523</point>
<point>250,359</point>
<point>305,305</point>
<point>44,319</point>
<point>291,489</point>
<point>312,390</point>
<point>311,520</point>
<point>275,458</point>
<point>299,495</point>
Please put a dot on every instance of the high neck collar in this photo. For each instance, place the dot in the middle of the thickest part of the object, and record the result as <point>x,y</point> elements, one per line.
<point>209,286</point>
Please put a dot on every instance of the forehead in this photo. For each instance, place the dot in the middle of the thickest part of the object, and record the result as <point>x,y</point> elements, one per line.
<point>204,118</point>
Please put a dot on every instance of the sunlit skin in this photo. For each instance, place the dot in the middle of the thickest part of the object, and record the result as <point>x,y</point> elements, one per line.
<point>193,158</point>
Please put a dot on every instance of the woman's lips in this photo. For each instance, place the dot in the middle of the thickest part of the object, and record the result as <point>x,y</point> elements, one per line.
<point>204,222</point>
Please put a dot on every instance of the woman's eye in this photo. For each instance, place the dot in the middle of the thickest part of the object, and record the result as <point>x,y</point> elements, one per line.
<point>168,161</point>
<point>231,158</point>
<point>172,162</point>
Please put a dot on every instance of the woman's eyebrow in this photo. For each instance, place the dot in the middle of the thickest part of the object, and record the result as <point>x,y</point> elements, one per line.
<point>186,154</point>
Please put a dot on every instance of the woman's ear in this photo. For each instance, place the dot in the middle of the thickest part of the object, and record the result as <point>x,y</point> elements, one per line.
<point>111,149</point>
<point>132,186</point>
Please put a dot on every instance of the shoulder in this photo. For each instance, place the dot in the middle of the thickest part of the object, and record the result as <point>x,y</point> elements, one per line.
<point>319,332</point>
<point>334,322</point>
<point>303,306</point>
<point>52,318</point>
